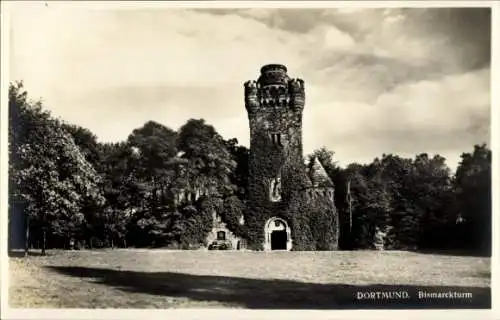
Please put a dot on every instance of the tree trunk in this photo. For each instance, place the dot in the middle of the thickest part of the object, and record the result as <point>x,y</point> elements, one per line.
<point>112,244</point>
<point>44,241</point>
<point>27,237</point>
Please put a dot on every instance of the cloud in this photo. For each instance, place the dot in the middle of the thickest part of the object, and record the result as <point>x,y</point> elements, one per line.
<point>362,77</point>
<point>377,80</point>
<point>416,33</point>
<point>290,20</point>
<point>439,116</point>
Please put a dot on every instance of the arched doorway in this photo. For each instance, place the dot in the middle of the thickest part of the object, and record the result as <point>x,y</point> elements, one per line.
<point>277,235</point>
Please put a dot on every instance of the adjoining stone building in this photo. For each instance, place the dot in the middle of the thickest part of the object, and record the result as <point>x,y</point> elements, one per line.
<point>290,206</point>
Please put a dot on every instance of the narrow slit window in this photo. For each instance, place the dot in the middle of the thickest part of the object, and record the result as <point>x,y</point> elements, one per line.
<point>276,138</point>
<point>275,189</point>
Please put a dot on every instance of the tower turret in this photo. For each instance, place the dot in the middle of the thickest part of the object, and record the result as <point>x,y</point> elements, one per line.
<point>274,89</point>
<point>297,94</point>
<point>251,95</point>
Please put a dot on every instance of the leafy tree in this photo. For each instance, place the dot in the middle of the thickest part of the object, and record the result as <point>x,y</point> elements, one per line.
<point>398,173</point>
<point>212,172</point>
<point>231,213</point>
<point>195,225</point>
<point>49,175</point>
<point>152,172</point>
<point>472,187</point>
<point>86,141</point>
<point>155,145</point>
<point>408,201</point>
<point>432,190</point>
<point>210,162</point>
<point>239,176</point>
<point>324,156</point>
<point>371,204</point>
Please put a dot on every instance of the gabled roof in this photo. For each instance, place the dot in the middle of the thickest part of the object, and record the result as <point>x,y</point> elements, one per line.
<point>318,175</point>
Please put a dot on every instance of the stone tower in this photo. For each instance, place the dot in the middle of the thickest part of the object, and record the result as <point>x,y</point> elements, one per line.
<point>278,203</point>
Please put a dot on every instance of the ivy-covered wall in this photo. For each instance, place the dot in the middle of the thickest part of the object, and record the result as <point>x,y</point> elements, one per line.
<point>324,220</point>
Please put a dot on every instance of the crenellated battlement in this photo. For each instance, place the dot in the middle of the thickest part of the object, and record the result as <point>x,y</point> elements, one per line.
<point>274,89</point>
<point>251,84</point>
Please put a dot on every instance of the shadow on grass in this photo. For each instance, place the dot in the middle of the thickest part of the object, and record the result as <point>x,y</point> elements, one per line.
<point>22,254</point>
<point>457,253</point>
<point>274,294</point>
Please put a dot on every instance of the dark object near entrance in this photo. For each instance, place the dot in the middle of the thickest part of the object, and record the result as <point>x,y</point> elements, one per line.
<point>220,245</point>
<point>278,240</point>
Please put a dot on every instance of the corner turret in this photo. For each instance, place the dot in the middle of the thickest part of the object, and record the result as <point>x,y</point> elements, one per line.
<point>297,93</point>
<point>251,95</point>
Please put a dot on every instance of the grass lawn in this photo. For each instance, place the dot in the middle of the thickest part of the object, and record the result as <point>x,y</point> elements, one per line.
<point>286,280</point>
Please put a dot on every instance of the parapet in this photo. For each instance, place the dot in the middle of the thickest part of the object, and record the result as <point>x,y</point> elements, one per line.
<point>274,89</point>
<point>273,67</point>
<point>273,74</point>
<point>250,87</point>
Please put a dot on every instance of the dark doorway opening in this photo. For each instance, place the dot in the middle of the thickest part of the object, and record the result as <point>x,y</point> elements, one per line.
<point>278,240</point>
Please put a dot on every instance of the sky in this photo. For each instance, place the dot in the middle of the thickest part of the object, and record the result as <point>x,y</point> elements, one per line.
<point>386,80</point>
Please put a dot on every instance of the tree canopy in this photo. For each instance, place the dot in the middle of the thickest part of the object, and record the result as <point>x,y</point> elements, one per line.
<point>160,187</point>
